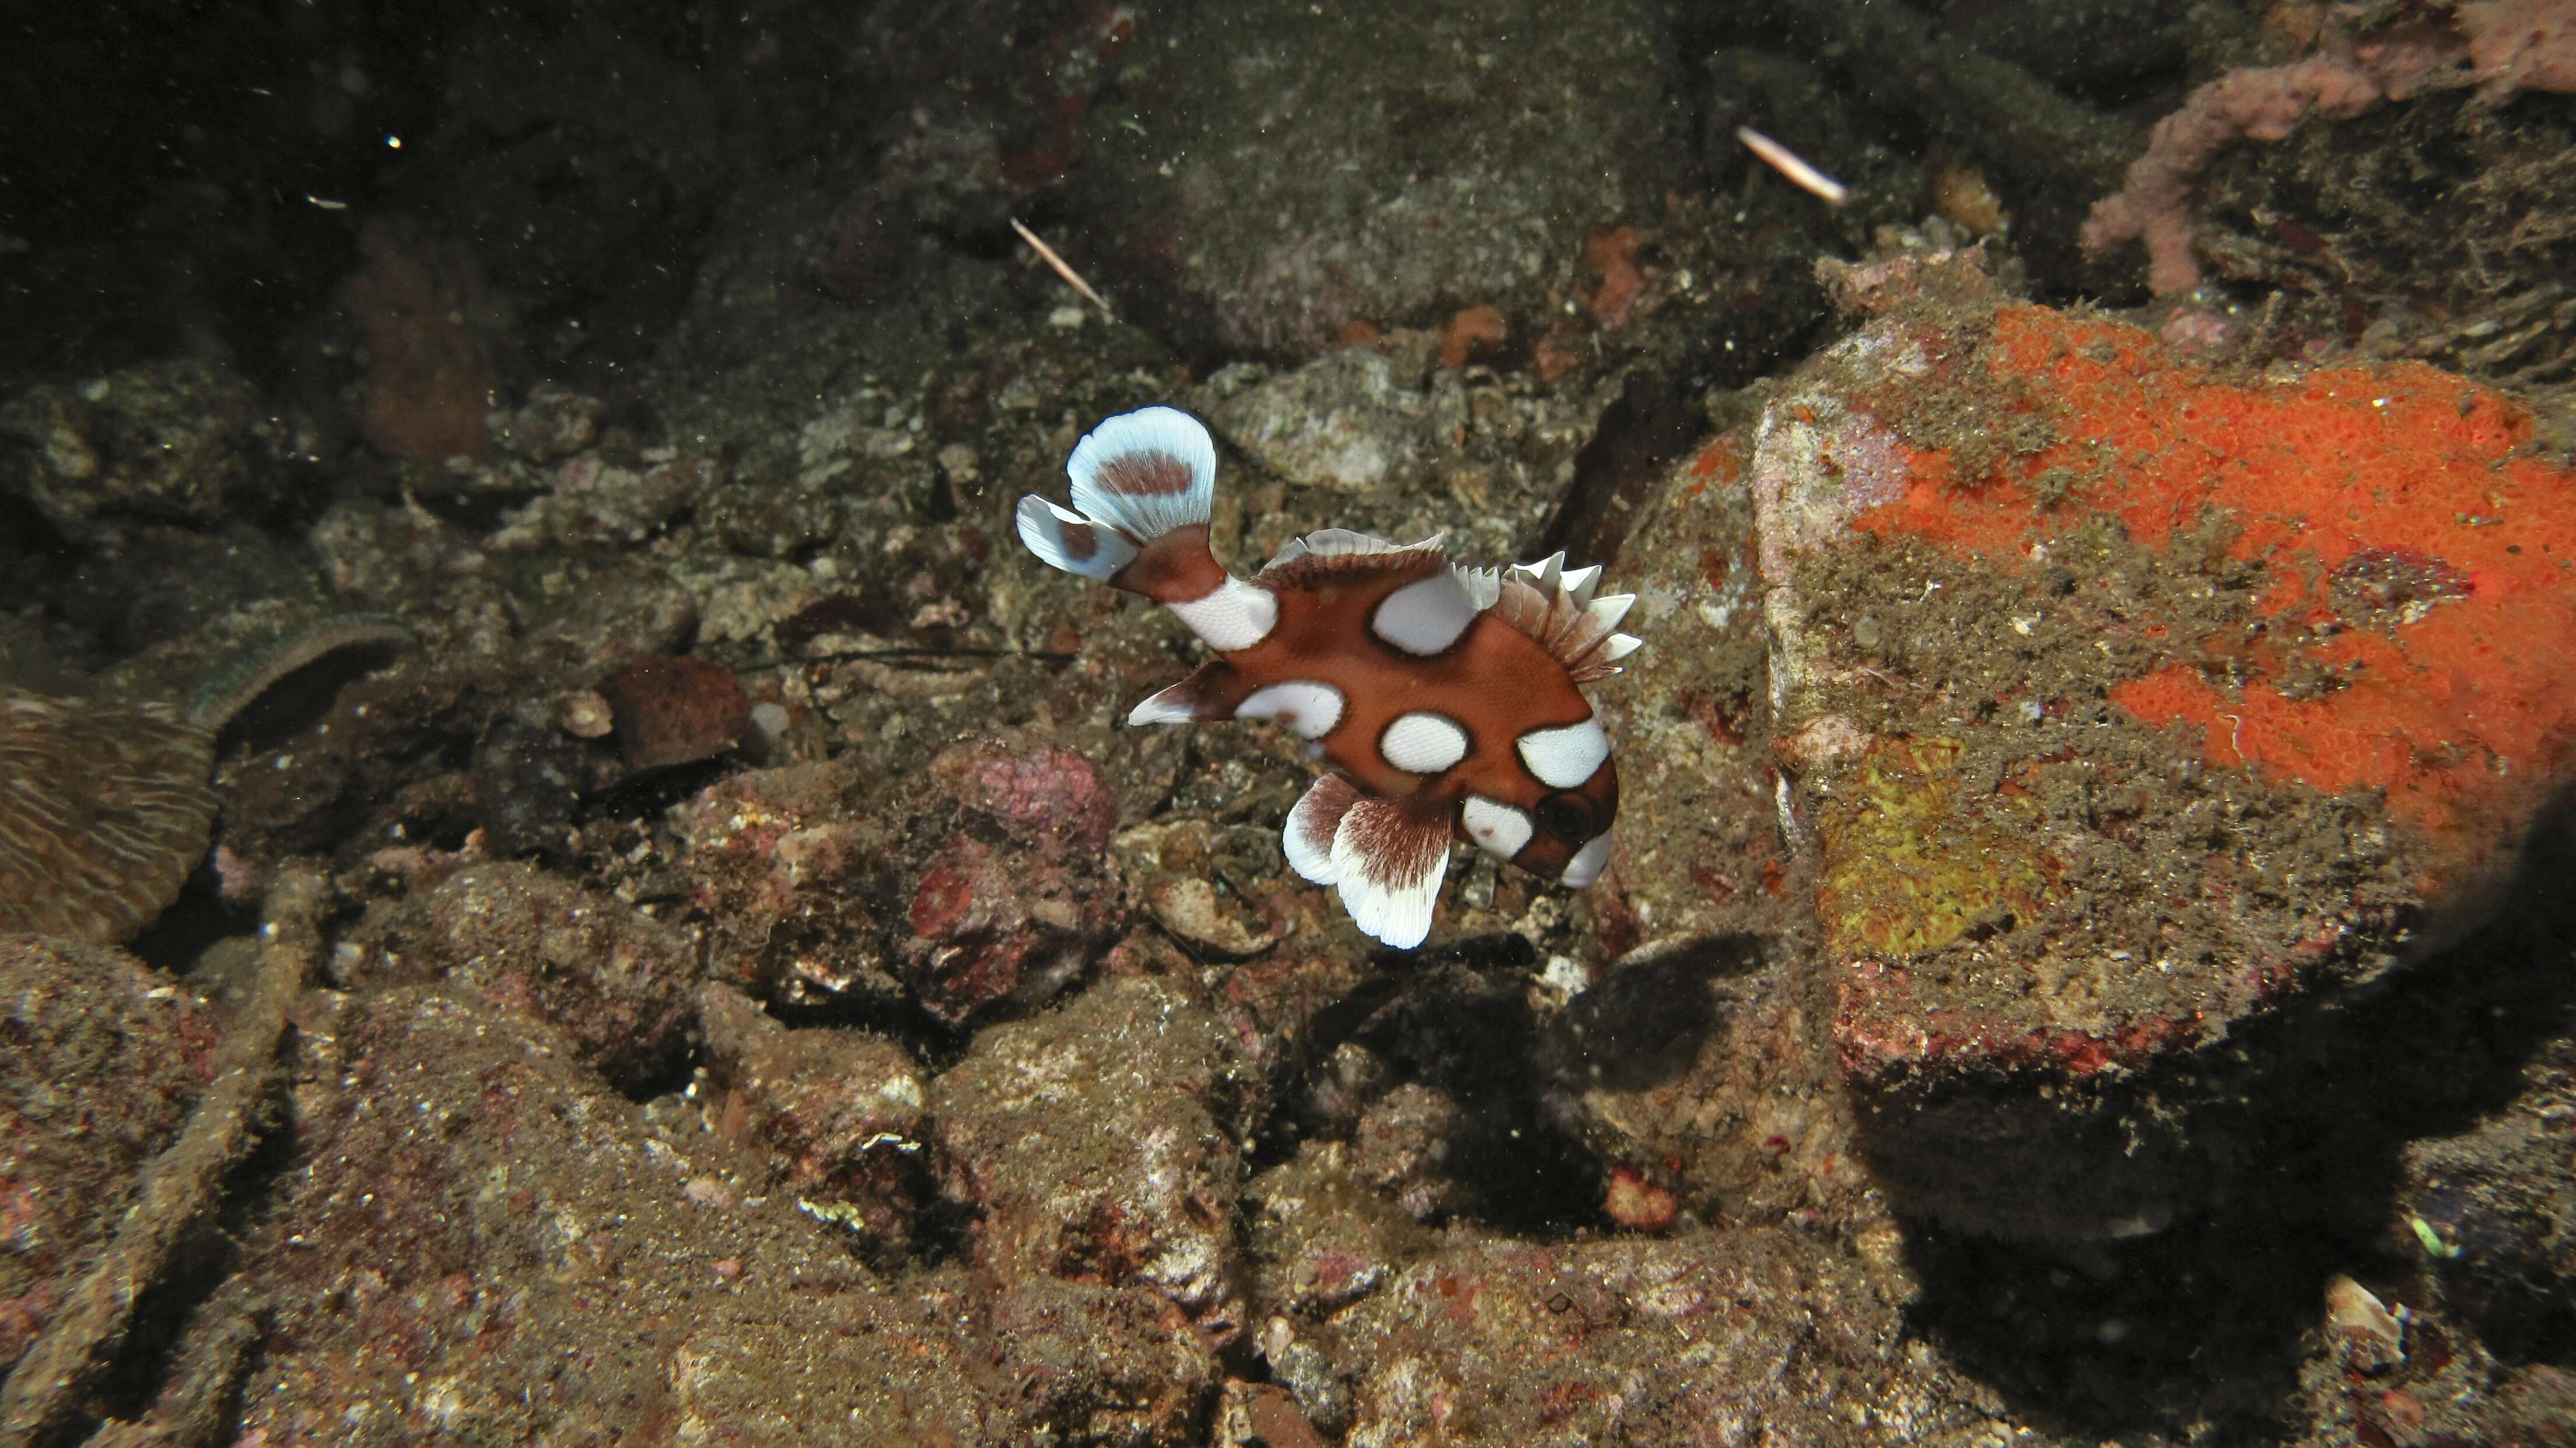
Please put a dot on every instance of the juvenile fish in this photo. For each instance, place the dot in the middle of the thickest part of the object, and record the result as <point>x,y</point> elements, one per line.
<point>1447,698</point>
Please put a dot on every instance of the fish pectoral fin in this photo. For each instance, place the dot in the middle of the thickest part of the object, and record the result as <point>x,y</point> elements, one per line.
<point>1207,696</point>
<point>1388,858</point>
<point>1308,838</point>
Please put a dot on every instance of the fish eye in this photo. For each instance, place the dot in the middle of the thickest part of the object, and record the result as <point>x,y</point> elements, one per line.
<point>1566,816</point>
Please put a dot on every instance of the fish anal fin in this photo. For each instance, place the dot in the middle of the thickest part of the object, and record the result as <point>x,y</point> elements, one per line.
<point>1208,695</point>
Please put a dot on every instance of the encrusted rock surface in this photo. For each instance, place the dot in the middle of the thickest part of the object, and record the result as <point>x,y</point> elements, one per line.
<point>172,442</point>
<point>1094,1148</point>
<point>1322,1238</point>
<point>617,983</point>
<point>2125,704</point>
<point>103,1060</point>
<point>1090,1362</point>
<point>838,1112</point>
<point>1705,857</point>
<point>816,886</point>
<point>1093,1145</point>
<point>1736,1336</point>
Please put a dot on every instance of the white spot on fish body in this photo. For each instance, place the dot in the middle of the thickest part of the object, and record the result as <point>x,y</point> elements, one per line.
<point>1308,707</point>
<point>1235,615</point>
<point>1563,758</point>
<point>1423,742</point>
<point>1497,828</point>
<point>1425,616</point>
<point>1586,865</point>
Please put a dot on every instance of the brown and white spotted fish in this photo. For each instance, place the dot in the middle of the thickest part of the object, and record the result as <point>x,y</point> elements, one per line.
<point>1448,699</point>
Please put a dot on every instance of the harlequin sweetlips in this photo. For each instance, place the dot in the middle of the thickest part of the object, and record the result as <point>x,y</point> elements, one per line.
<point>1448,699</point>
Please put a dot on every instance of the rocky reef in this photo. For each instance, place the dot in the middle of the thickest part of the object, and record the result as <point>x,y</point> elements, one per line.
<point>564,878</point>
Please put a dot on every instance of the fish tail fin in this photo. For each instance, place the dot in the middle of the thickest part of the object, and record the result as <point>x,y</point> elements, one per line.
<point>1144,487</point>
<point>1146,473</point>
<point>1144,484</point>
<point>1067,540</point>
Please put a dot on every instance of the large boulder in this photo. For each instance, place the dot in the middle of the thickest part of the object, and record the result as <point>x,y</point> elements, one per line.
<point>1266,175</point>
<point>2125,703</point>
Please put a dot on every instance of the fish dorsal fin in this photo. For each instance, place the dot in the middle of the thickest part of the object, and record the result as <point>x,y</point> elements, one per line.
<point>1340,542</point>
<point>1484,585</point>
<point>1557,609</point>
<point>1340,554</point>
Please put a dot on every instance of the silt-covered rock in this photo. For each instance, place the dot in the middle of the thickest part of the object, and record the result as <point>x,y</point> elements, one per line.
<point>1093,1144</point>
<point>618,983</point>
<point>103,1061</point>
<point>475,1239</point>
<point>1320,1237</point>
<point>837,1112</point>
<point>981,880</point>
<point>1264,176</point>
<point>1740,1336</point>
<point>181,441</point>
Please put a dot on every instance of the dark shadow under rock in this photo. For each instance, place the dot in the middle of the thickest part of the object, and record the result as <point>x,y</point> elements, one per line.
<point>2305,1154</point>
<point>1693,1069</point>
<point>1446,1099</point>
<point>1643,1024</point>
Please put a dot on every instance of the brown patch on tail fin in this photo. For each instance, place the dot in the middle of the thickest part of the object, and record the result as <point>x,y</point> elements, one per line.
<point>1145,475</point>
